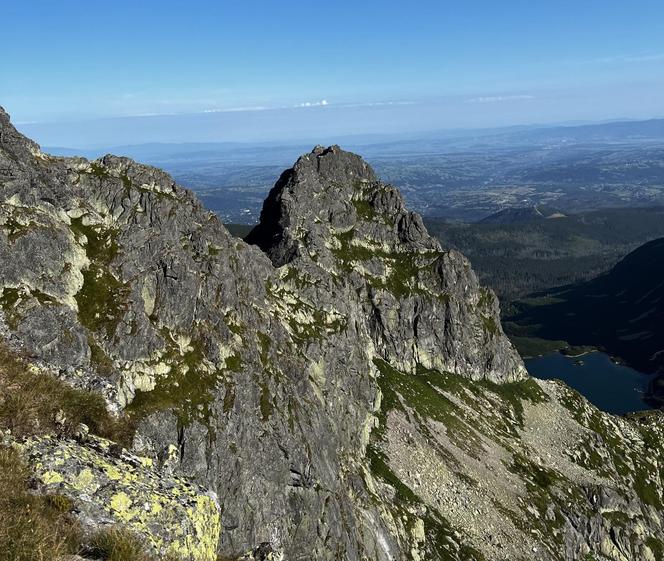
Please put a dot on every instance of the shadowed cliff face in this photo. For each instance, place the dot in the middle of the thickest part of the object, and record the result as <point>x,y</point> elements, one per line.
<point>343,384</point>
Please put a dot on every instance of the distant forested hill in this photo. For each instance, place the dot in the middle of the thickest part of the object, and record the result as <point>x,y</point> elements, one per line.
<point>621,312</point>
<point>518,258</point>
<point>239,230</point>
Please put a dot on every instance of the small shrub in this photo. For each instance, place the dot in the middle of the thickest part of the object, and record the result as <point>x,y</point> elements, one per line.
<point>59,503</point>
<point>117,544</point>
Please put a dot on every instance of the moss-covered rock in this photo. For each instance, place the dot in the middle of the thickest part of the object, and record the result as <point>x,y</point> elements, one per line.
<point>109,486</point>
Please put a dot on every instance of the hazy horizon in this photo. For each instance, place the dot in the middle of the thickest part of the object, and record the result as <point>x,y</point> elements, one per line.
<point>191,129</point>
<point>263,71</point>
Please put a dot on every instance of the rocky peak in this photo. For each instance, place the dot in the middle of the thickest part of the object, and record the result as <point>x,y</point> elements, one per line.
<point>327,191</point>
<point>4,117</point>
<point>335,165</point>
<point>13,144</point>
<point>331,216</point>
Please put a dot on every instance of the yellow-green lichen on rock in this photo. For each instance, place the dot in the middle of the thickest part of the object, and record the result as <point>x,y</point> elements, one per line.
<point>111,486</point>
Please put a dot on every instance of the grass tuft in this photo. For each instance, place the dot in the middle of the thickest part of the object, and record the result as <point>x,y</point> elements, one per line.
<point>115,543</point>
<point>33,527</point>
<point>34,403</point>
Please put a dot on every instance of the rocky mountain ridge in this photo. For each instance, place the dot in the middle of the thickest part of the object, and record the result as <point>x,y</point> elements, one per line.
<point>341,385</point>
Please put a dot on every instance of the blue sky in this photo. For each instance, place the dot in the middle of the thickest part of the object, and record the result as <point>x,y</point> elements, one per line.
<point>255,66</point>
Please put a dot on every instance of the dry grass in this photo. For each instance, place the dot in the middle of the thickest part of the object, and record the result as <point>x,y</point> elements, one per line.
<point>32,527</point>
<point>30,404</point>
<point>36,527</point>
<point>41,528</point>
<point>117,544</point>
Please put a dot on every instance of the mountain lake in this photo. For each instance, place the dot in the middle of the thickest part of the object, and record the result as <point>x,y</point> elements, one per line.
<point>611,387</point>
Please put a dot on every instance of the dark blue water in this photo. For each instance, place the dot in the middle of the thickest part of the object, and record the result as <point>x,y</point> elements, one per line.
<point>611,387</point>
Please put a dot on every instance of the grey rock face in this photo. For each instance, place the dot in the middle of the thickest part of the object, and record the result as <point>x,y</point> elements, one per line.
<point>280,371</point>
<point>330,216</point>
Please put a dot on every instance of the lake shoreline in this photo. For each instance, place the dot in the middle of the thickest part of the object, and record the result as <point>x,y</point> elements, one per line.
<point>610,385</point>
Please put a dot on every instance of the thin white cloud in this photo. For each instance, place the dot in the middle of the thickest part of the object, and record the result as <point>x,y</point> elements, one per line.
<point>248,108</point>
<point>499,98</point>
<point>308,104</point>
<point>653,57</point>
<point>325,103</point>
<point>321,103</point>
<point>237,109</point>
<point>378,103</point>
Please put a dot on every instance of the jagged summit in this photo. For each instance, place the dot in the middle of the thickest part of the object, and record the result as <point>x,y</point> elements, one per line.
<point>320,186</point>
<point>12,142</point>
<point>329,190</point>
<point>335,164</point>
<point>334,218</point>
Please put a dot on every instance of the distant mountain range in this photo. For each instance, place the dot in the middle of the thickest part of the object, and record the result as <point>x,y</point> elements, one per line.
<point>459,175</point>
<point>377,144</point>
<point>616,131</point>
